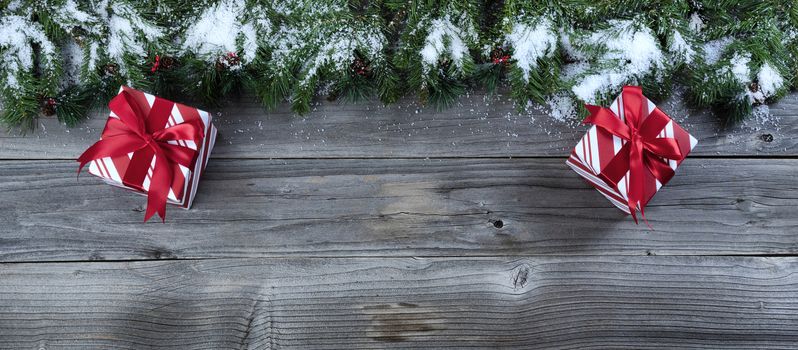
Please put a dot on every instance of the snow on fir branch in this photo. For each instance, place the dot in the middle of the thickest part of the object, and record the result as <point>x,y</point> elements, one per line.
<point>626,53</point>
<point>337,48</point>
<point>769,80</point>
<point>228,26</point>
<point>63,56</point>
<point>447,40</point>
<point>681,48</point>
<point>435,50</point>
<point>128,32</point>
<point>17,36</point>
<point>532,42</point>
<point>317,45</point>
<point>714,49</point>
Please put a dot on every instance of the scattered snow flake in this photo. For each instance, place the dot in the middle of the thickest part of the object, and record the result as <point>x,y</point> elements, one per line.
<point>762,118</point>
<point>561,107</point>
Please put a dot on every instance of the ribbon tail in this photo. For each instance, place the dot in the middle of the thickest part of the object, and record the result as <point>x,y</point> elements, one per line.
<point>150,210</point>
<point>658,168</point>
<point>636,168</point>
<point>633,211</point>
<point>643,216</point>
<point>158,192</point>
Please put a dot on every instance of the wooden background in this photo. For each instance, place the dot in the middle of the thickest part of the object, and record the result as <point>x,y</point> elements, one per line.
<point>366,226</point>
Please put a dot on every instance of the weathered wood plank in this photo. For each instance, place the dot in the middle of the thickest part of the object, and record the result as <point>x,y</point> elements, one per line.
<point>400,207</point>
<point>477,126</point>
<point>543,302</point>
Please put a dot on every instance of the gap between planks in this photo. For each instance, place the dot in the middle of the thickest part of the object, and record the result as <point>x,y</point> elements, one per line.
<point>381,257</point>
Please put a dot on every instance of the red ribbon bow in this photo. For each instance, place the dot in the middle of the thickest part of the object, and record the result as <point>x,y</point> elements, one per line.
<point>141,129</point>
<point>643,151</point>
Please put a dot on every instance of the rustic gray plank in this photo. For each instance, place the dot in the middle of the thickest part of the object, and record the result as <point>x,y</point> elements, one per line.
<point>541,302</point>
<point>478,126</point>
<point>399,207</point>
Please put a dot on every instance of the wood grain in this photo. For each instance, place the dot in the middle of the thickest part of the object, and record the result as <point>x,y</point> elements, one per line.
<point>402,227</point>
<point>478,126</point>
<point>399,207</point>
<point>531,303</point>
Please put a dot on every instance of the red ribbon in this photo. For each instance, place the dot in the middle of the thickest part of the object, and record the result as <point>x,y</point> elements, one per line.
<point>141,129</point>
<point>643,151</point>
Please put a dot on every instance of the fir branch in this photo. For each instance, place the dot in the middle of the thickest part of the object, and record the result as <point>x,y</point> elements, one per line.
<point>730,54</point>
<point>73,104</point>
<point>20,110</point>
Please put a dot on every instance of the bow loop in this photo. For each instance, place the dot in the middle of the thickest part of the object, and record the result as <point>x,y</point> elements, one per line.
<point>129,112</point>
<point>187,131</point>
<point>141,129</point>
<point>663,147</point>
<point>607,120</point>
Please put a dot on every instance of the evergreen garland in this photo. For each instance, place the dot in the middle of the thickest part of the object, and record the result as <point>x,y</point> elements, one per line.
<point>62,57</point>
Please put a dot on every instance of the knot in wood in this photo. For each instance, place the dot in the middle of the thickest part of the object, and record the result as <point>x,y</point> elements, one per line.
<point>520,276</point>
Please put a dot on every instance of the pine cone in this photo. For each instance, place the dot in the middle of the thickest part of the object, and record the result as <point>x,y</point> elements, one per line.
<point>360,67</point>
<point>444,63</point>
<point>79,34</point>
<point>167,62</point>
<point>111,69</point>
<point>757,96</point>
<point>48,106</point>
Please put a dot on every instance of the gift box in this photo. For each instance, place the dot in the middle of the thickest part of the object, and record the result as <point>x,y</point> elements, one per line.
<point>152,146</point>
<point>631,151</point>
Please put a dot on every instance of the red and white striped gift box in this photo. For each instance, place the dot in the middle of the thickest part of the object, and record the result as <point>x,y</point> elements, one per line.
<point>597,148</point>
<point>185,180</point>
